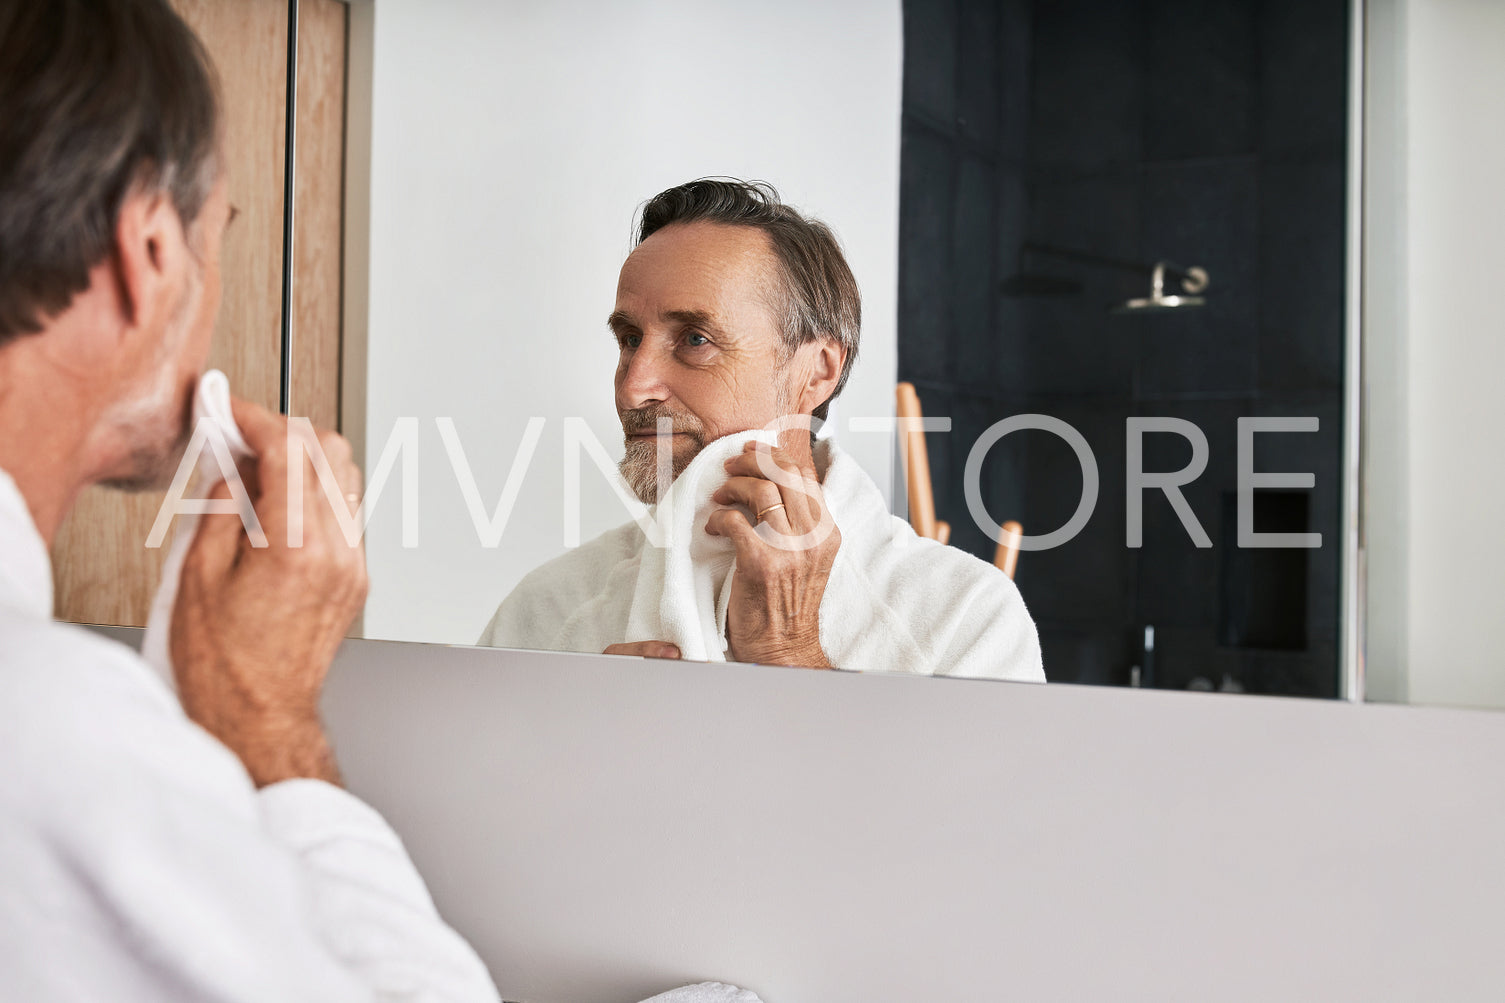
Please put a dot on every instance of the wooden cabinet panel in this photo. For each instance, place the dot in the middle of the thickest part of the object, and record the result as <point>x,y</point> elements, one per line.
<point>247,39</point>
<point>318,218</point>
<point>103,572</point>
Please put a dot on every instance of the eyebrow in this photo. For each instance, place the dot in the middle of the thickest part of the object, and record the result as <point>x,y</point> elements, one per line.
<point>619,321</point>
<point>697,318</point>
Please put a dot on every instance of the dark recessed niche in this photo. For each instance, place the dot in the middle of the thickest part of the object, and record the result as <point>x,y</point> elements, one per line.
<point>1262,601</point>
<point>1214,132</point>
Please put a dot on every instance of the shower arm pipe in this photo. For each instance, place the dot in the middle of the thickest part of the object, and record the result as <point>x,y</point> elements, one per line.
<point>1192,279</point>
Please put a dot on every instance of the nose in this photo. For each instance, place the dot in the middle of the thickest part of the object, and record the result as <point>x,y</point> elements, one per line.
<point>641,375</point>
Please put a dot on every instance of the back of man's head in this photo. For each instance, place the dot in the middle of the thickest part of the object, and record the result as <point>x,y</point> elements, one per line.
<point>98,98</point>
<point>820,294</point>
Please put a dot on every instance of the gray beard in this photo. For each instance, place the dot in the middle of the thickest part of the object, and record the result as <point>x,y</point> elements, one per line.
<point>640,470</point>
<point>152,465</point>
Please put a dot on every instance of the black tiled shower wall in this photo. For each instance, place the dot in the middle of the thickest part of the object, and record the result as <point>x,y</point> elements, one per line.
<point>1205,132</point>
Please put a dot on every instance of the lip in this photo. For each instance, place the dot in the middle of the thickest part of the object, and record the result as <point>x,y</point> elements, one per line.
<point>652,435</point>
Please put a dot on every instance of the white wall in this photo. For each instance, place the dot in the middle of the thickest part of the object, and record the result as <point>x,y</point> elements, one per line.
<point>511,144</point>
<point>1435,345</point>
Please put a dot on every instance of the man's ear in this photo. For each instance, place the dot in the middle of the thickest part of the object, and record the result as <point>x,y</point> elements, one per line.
<point>827,356</point>
<point>149,255</point>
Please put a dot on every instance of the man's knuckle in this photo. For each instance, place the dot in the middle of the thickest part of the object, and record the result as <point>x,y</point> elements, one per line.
<point>335,445</point>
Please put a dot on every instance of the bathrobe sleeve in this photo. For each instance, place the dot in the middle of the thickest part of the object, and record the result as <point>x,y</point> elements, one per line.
<point>140,863</point>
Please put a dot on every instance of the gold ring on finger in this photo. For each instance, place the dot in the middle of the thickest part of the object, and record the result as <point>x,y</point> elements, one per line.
<point>768,510</point>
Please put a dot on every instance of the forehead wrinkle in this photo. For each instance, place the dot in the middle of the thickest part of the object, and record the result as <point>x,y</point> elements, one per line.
<point>699,318</point>
<point>769,270</point>
<point>774,291</point>
<point>767,279</point>
<point>753,258</point>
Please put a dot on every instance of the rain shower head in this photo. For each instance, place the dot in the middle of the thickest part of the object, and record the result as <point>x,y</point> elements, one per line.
<point>1193,280</point>
<point>1029,283</point>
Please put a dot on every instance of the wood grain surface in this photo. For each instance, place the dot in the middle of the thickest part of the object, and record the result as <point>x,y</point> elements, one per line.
<point>103,571</point>
<point>318,214</point>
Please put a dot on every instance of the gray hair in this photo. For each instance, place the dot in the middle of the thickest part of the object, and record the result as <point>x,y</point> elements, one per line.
<point>101,98</point>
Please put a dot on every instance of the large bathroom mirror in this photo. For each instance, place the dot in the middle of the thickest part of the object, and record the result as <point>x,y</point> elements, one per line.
<point>1116,246</point>
<point>1129,218</point>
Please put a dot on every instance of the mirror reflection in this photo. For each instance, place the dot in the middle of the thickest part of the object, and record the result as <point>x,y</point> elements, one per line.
<point>1099,252</point>
<point>736,325</point>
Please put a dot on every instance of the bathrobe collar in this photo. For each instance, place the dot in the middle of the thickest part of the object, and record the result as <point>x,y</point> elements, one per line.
<point>25,568</point>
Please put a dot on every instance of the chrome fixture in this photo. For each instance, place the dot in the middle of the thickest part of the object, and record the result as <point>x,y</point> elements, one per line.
<point>1028,282</point>
<point>1193,280</point>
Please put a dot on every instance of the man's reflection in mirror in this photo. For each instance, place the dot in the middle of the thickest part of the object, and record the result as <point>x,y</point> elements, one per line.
<point>737,322</point>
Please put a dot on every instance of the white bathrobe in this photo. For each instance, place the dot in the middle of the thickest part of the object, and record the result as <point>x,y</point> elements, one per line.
<point>894,602</point>
<point>139,863</point>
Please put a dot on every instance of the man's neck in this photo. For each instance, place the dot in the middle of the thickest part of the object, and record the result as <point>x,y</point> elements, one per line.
<point>820,455</point>
<point>44,425</point>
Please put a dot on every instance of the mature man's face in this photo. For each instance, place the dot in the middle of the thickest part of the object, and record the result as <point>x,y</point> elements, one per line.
<point>698,337</point>
<point>154,411</point>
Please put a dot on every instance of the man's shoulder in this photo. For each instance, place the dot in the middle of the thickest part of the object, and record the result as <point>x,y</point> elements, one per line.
<point>538,610</point>
<point>619,544</point>
<point>888,548</point>
<point>46,660</point>
<point>580,572</point>
<point>961,614</point>
<point>904,553</point>
<point>74,703</point>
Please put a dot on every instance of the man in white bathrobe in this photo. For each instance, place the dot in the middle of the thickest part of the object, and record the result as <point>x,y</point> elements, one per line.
<point>150,850</point>
<point>737,322</point>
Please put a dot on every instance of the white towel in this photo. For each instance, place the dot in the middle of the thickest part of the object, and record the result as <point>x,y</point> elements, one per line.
<point>211,410</point>
<point>683,587</point>
<point>706,992</point>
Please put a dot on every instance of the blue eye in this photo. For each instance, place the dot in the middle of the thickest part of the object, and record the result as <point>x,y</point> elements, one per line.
<point>696,339</point>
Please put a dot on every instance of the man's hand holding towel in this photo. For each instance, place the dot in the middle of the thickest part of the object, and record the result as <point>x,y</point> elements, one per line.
<point>785,552</point>
<point>257,689</point>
